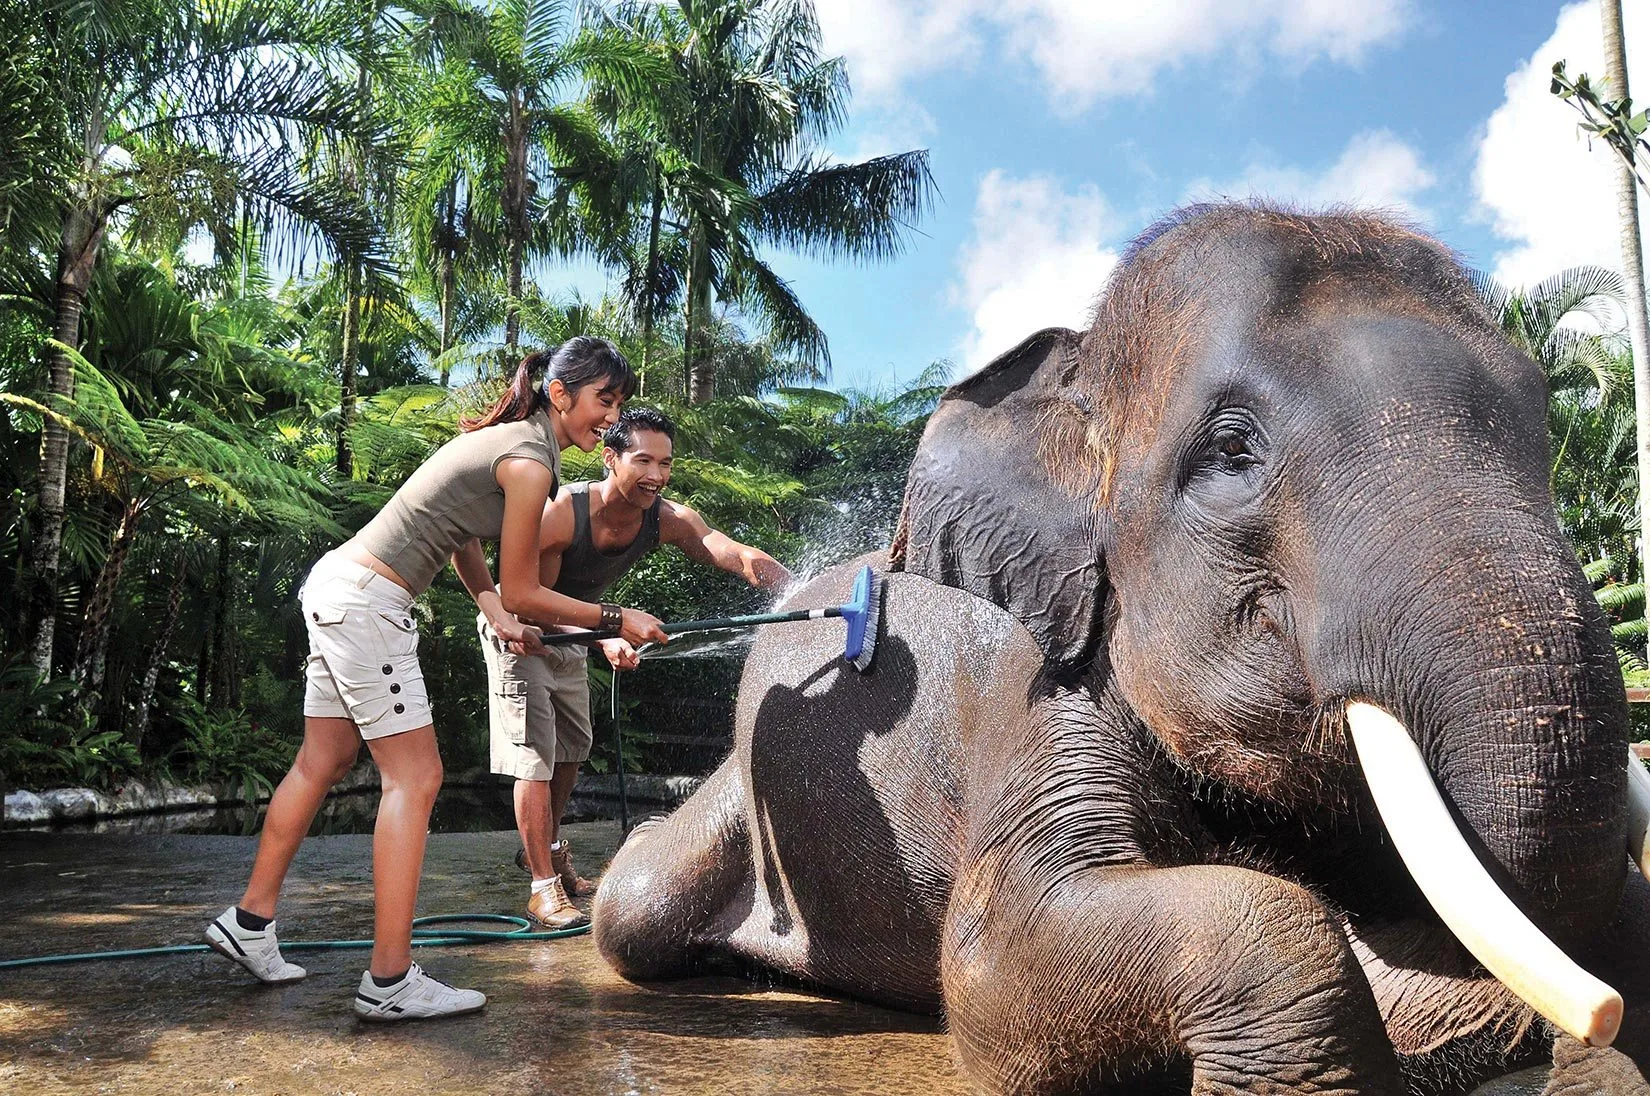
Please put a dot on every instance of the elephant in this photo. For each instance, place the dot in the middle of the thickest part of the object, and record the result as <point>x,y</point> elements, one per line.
<point>1107,797</point>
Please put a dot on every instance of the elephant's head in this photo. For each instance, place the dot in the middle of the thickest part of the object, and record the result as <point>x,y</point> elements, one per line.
<point>1293,464</point>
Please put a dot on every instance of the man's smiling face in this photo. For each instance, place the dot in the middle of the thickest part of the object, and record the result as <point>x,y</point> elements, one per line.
<point>640,472</point>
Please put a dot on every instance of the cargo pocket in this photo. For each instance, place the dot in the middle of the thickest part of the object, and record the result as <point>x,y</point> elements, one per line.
<point>512,711</point>
<point>400,632</point>
<point>325,615</point>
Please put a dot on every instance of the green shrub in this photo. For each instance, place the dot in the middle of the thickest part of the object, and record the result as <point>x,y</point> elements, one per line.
<point>51,739</point>
<point>222,746</point>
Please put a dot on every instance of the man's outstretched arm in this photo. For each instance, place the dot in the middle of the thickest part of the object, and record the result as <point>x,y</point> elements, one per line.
<point>682,526</point>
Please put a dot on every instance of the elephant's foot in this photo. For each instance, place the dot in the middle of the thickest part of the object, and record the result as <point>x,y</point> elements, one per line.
<point>678,885</point>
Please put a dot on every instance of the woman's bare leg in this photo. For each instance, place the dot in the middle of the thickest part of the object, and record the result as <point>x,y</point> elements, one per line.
<point>409,767</point>
<point>329,749</point>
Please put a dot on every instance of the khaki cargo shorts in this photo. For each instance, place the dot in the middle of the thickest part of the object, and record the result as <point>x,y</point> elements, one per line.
<point>363,650</point>
<point>538,707</point>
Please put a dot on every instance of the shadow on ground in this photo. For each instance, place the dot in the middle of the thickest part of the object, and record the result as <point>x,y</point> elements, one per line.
<point>558,1020</point>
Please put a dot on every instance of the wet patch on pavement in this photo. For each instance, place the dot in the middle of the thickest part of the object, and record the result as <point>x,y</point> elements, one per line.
<point>558,1021</point>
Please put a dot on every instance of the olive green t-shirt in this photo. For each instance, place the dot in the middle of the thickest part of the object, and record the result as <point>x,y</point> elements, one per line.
<point>453,496</point>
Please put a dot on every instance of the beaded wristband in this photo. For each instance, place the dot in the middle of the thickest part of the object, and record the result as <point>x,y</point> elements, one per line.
<point>612,615</point>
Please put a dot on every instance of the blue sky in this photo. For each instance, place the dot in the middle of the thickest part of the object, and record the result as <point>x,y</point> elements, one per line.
<point>1058,129</point>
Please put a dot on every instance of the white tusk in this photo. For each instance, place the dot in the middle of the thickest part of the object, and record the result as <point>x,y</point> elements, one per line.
<point>1462,893</point>
<point>1638,811</point>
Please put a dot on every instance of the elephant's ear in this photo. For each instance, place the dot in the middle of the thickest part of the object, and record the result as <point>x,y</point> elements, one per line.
<point>984,513</point>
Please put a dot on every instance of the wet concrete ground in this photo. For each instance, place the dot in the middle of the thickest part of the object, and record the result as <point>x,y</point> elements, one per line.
<point>558,1021</point>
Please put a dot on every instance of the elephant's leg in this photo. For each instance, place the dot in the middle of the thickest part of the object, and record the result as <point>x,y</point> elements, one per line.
<point>678,887</point>
<point>1072,981</point>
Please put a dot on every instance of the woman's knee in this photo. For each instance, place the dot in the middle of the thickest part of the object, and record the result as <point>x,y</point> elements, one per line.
<point>420,781</point>
<point>323,766</point>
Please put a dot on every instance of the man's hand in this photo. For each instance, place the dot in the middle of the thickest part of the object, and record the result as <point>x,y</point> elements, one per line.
<point>620,655</point>
<point>761,569</point>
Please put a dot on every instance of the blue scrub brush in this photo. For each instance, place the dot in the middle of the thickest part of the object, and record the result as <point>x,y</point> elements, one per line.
<point>861,612</point>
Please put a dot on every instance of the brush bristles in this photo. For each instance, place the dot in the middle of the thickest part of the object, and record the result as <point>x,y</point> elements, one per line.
<point>873,617</point>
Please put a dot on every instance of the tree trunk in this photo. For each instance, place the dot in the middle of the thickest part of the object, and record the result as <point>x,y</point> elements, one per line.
<point>512,322</point>
<point>1632,270</point>
<point>650,279</point>
<point>157,656</point>
<point>223,685</point>
<point>701,372</point>
<point>516,223</point>
<point>76,256</point>
<point>92,653</point>
<point>688,332</point>
<point>449,279</point>
<point>350,351</point>
<point>348,366</point>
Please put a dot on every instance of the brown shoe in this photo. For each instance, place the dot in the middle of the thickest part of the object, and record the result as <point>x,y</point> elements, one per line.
<point>575,884</point>
<point>551,908</point>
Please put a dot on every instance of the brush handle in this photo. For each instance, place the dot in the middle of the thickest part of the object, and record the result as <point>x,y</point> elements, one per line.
<point>558,639</point>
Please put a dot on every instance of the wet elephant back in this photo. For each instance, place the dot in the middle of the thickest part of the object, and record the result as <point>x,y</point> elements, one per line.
<point>856,780</point>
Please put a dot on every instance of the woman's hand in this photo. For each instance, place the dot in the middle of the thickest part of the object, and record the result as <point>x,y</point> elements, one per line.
<point>637,628</point>
<point>518,638</point>
<point>620,655</point>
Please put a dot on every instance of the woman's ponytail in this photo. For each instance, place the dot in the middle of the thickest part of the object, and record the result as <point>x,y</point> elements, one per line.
<point>525,396</point>
<point>581,360</point>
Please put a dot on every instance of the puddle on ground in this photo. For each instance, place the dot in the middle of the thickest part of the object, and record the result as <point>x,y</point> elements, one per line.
<point>558,1020</point>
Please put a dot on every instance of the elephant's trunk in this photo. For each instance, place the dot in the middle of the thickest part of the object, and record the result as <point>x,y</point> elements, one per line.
<point>1518,710</point>
<point>1462,892</point>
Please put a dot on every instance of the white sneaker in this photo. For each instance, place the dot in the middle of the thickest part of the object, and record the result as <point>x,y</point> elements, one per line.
<point>416,997</point>
<point>255,949</point>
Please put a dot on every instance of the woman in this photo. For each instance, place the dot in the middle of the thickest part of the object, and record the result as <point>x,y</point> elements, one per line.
<point>362,677</point>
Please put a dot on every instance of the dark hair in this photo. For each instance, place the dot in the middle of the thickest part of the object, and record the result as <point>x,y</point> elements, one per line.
<point>620,436</point>
<point>581,360</point>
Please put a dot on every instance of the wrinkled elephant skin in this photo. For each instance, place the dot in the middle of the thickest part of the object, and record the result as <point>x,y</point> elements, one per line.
<point>1096,799</point>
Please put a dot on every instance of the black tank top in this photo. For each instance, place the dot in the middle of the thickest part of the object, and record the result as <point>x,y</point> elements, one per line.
<point>586,571</point>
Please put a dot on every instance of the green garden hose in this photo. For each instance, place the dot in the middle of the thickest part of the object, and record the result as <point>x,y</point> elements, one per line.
<point>422,938</point>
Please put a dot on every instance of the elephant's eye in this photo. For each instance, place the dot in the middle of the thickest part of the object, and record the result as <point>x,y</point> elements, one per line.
<point>1234,448</point>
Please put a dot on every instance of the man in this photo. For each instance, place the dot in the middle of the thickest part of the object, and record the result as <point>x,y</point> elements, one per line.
<point>539,703</point>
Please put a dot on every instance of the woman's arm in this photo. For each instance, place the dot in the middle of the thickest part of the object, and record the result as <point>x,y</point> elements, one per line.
<point>472,570</point>
<point>526,486</point>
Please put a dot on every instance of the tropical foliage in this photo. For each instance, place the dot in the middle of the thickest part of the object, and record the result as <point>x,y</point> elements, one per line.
<point>257,257</point>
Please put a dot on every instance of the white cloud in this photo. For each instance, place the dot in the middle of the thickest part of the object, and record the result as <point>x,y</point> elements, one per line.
<point>1089,49</point>
<point>1374,171</point>
<point>1539,185</point>
<point>1038,258</point>
<point>885,43</point>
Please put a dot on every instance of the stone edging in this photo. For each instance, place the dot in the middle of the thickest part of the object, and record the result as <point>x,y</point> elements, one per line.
<point>26,808</point>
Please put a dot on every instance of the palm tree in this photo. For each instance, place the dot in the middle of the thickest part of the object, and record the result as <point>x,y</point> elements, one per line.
<point>448,208</point>
<point>1590,422</point>
<point>180,115</point>
<point>511,134</point>
<point>1559,324</point>
<point>1632,259</point>
<point>157,390</point>
<point>735,138</point>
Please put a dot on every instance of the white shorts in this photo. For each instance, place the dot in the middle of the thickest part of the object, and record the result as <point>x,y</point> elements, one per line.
<point>363,650</point>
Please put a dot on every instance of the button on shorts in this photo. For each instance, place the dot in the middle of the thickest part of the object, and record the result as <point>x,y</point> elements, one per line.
<point>538,707</point>
<point>363,650</point>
